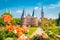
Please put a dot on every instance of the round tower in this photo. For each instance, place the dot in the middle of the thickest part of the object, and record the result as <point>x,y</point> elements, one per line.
<point>23,19</point>
<point>34,19</point>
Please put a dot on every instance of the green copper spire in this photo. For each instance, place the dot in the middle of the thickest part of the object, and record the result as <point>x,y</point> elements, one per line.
<point>42,12</point>
<point>33,14</point>
<point>8,11</point>
<point>23,14</point>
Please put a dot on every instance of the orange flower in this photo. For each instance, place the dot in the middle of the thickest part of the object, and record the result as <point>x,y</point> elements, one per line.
<point>56,38</point>
<point>10,27</point>
<point>19,34</point>
<point>17,28</point>
<point>0,28</point>
<point>20,39</point>
<point>7,18</point>
<point>25,29</point>
<point>4,16</point>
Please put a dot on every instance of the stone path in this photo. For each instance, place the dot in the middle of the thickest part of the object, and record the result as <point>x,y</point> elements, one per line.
<point>38,31</point>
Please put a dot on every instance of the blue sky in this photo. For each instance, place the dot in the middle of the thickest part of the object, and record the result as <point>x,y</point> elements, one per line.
<point>51,7</point>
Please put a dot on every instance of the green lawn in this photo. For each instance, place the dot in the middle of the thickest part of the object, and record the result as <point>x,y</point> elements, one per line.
<point>31,30</point>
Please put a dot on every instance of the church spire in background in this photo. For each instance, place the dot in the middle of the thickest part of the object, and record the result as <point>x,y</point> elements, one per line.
<point>42,12</point>
<point>33,14</point>
<point>23,14</point>
<point>8,11</point>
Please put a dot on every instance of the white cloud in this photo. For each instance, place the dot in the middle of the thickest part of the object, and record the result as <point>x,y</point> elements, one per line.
<point>19,11</point>
<point>36,8</point>
<point>51,6</point>
<point>54,5</point>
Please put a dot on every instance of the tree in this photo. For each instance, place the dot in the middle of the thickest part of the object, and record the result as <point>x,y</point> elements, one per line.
<point>16,21</point>
<point>58,20</point>
<point>59,16</point>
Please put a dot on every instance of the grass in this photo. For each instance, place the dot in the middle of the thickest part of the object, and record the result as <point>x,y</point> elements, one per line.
<point>31,30</point>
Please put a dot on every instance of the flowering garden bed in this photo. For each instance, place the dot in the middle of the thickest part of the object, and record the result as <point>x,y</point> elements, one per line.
<point>14,34</point>
<point>10,31</point>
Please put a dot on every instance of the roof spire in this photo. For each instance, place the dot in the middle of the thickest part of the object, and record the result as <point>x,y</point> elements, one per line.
<point>33,15</point>
<point>8,11</point>
<point>42,13</point>
<point>23,14</point>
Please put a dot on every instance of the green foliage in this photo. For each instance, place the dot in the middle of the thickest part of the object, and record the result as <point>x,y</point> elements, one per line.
<point>52,31</point>
<point>58,20</point>
<point>59,15</point>
<point>7,14</point>
<point>39,38</point>
<point>16,21</point>
<point>9,39</point>
<point>6,34</point>
<point>2,23</point>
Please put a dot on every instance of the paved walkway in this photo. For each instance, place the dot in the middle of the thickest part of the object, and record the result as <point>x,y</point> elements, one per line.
<point>38,31</point>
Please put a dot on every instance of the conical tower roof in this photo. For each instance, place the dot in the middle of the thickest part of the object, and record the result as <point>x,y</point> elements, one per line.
<point>8,10</point>
<point>23,14</point>
<point>34,14</point>
<point>42,12</point>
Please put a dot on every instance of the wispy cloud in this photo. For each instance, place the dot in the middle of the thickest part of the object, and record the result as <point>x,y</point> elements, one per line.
<point>54,5</point>
<point>36,7</point>
<point>19,11</point>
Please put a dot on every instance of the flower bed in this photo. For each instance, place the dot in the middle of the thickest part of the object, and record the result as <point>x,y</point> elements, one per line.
<point>10,31</point>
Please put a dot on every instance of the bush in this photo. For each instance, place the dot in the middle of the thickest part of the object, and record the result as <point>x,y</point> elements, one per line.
<point>5,34</point>
<point>39,38</point>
